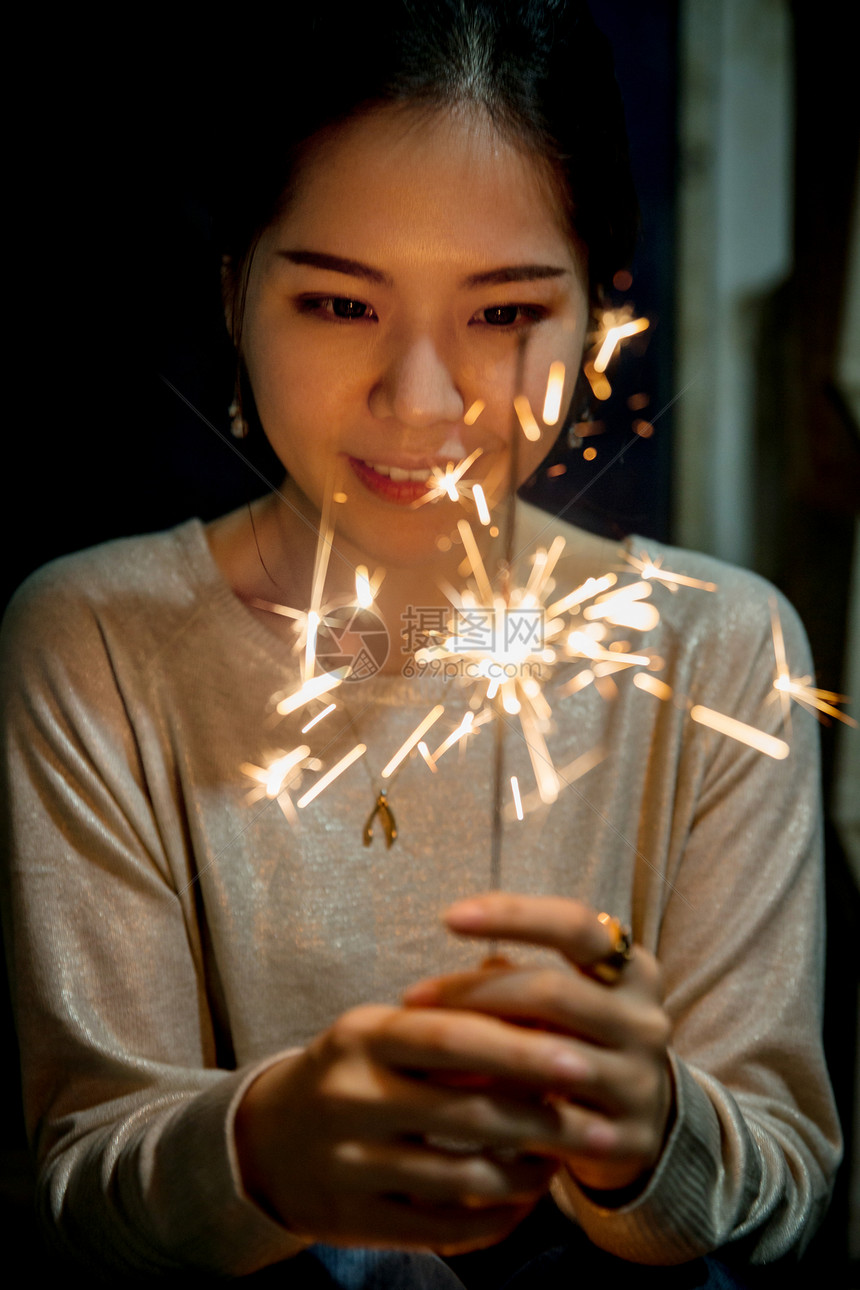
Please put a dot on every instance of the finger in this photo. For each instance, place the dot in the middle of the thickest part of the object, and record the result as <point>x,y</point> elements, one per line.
<point>568,926</point>
<point>555,999</point>
<point>502,1117</point>
<point>425,1040</point>
<point>434,1175</point>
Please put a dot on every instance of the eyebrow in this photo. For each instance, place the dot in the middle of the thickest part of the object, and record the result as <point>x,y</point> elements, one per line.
<point>515,273</point>
<point>337,264</point>
<point>488,278</point>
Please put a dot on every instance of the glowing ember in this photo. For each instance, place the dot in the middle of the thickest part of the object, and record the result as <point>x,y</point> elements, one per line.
<point>311,689</point>
<point>449,482</point>
<point>318,718</point>
<point>616,325</point>
<point>653,571</point>
<point>526,418</point>
<point>800,688</point>
<point>331,775</point>
<point>273,779</point>
<point>767,744</point>
<point>363,592</point>
<point>653,686</point>
<point>412,741</point>
<point>615,333</point>
<point>515,790</point>
<point>481,504</point>
<point>554,392</point>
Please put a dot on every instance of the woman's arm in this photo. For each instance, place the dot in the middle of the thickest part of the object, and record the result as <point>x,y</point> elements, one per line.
<point>746,1154</point>
<point>129,1116</point>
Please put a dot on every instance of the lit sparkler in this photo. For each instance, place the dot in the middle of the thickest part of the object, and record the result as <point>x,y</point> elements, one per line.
<point>507,645</point>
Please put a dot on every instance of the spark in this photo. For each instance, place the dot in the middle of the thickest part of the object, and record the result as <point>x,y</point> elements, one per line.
<point>762,742</point>
<point>800,688</point>
<point>345,762</point>
<point>313,622</point>
<point>476,562</point>
<point>315,720</point>
<point>467,726</point>
<point>622,608</point>
<point>273,778</point>
<point>590,588</point>
<point>616,325</point>
<point>481,504</point>
<point>515,790</point>
<point>311,689</point>
<point>653,685</point>
<point>413,739</point>
<point>615,333</point>
<point>600,387</point>
<point>814,700</point>
<point>554,391</point>
<point>449,482</point>
<point>653,571</point>
<point>584,646</point>
<point>425,753</point>
<point>526,418</point>
<point>508,642</point>
<point>471,415</point>
<point>567,775</point>
<point>363,590</point>
<point>758,739</point>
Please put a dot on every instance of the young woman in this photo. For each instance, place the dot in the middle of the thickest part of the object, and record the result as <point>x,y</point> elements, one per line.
<point>251,1040</point>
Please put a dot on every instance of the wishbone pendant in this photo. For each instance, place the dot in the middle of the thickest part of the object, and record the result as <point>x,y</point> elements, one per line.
<point>386,815</point>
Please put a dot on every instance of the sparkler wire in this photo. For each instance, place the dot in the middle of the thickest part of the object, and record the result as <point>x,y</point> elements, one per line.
<point>497,824</point>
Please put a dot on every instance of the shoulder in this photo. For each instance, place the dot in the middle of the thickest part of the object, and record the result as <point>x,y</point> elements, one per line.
<point>132,589</point>
<point>711,613</point>
<point>715,606</point>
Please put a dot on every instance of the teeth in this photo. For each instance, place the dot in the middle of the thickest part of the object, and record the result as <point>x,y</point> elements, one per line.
<point>395,473</point>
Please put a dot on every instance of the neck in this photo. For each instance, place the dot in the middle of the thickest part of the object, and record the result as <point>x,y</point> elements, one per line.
<point>295,556</point>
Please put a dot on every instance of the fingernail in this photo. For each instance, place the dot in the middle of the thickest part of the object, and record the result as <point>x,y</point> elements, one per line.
<point>467,915</point>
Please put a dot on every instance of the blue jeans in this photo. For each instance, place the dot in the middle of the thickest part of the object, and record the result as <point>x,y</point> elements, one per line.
<point>546,1252</point>
<point>324,1267</point>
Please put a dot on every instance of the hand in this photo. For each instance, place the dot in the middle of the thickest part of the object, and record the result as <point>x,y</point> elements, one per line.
<point>625,1095</point>
<point>410,1127</point>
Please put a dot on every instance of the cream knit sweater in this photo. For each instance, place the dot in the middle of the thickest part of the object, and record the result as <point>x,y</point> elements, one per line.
<point>167,937</point>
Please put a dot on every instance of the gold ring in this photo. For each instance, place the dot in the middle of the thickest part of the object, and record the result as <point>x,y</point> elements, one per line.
<point>609,968</point>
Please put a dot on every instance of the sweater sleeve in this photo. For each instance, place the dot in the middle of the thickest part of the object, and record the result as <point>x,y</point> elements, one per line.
<point>755,1141</point>
<point>128,1114</point>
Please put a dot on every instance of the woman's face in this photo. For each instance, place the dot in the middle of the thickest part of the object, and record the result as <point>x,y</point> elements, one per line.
<point>392,295</point>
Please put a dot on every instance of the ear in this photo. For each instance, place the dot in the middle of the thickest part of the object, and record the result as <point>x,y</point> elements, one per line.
<point>229,294</point>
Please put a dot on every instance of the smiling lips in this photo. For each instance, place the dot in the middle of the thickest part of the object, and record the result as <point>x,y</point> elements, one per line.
<point>392,483</point>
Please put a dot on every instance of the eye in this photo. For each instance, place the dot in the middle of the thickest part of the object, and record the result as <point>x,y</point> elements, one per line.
<point>342,308</point>
<point>510,315</point>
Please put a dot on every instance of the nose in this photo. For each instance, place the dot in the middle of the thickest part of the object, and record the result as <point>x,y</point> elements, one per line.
<point>417,387</point>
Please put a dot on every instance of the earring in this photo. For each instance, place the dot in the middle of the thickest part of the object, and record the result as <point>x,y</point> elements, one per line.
<point>583,414</point>
<point>238,424</point>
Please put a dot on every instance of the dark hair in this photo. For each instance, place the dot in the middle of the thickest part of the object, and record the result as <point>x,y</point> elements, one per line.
<point>540,69</point>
